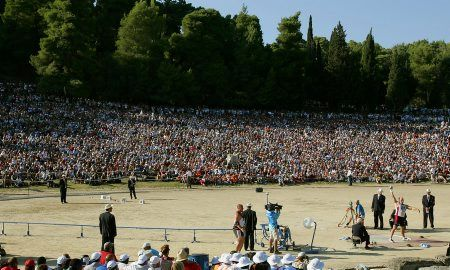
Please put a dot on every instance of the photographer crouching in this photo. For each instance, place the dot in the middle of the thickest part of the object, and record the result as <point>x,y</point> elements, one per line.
<point>273,213</point>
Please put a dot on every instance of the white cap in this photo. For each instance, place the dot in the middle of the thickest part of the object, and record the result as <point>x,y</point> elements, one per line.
<point>244,261</point>
<point>315,264</point>
<point>274,260</point>
<point>235,257</point>
<point>61,260</point>
<point>124,257</point>
<point>111,264</point>
<point>249,204</point>
<point>301,254</point>
<point>428,190</point>
<point>154,260</point>
<point>146,245</point>
<point>225,258</point>
<point>95,256</point>
<point>142,259</point>
<point>380,190</point>
<point>288,259</point>
<point>260,257</point>
<point>108,206</point>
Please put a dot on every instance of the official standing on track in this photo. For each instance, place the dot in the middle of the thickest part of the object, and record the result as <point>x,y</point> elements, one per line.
<point>378,206</point>
<point>132,186</point>
<point>428,202</point>
<point>107,226</point>
<point>63,189</point>
<point>250,226</point>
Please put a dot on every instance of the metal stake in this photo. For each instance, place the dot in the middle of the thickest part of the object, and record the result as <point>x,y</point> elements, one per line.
<point>195,239</point>
<point>165,235</point>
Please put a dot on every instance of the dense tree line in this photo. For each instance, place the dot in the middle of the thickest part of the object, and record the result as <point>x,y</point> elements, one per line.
<point>169,52</point>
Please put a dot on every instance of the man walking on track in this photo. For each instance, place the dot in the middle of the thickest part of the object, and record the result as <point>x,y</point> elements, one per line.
<point>378,206</point>
<point>63,189</point>
<point>428,205</point>
<point>250,226</point>
<point>107,226</point>
<point>132,185</point>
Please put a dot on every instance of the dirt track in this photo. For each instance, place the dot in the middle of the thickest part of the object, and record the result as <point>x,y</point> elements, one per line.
<point>214,208</point>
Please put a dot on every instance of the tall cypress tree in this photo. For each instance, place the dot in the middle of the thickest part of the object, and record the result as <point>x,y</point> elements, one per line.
<point>338,68</point>
<point>310,44</point>
<point>369,93</point>
<point>400,85</point>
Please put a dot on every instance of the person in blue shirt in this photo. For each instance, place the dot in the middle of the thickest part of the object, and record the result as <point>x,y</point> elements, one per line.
<point>359,211</point>
<point>273,213</point>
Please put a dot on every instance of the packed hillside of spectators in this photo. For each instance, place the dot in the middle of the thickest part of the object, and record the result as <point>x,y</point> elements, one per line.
<point>107,260</point>
<point>45,138</point>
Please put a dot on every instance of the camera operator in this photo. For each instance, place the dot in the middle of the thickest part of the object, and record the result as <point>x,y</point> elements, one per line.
<point>273,213</point>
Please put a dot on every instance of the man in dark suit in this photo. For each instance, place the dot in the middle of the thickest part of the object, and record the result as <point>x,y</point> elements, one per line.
<point>132,185</point>
<point>378,206</point>
<point>250,226</point>
<point>63,189</point>
<point>107,226</point>
<point>428,202</point>
<point>360,230</point>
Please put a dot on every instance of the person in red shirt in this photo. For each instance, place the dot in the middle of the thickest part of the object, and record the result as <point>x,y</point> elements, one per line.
<point>12,264</point>
<point>107,249</point>
<point>182,256</point>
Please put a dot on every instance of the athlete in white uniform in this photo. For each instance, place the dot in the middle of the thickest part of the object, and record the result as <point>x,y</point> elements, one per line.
<point>400,216</point>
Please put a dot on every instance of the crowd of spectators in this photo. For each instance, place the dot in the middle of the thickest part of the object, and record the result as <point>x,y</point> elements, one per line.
<point>107,260</point>
<point>44,138</point>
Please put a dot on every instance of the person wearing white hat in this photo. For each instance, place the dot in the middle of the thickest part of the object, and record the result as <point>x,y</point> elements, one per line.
<point>274,261</point>
<point>112,265</point>
<point>251,221</point>
<point>60,262</point>
<point>301,262</point>
<point>428,202</point>
<point>107,226</point>
<point>155,263</point>
<point>378,206</point>
<point>244,262</point>
<point>235,257</point>
<point>140,264</point>
<point>94,262</point>
<point>287,261</point>
<point>124,259</point>
<point>315,264</point>
<point>225,261</point>
<point>148,250</point>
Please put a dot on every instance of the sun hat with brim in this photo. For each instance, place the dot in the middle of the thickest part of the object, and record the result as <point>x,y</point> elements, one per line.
<point>235,257</point>
<point>244,261</point>
<point>315,264</point>
<point>95,256</point>
<point>111,264</point>
<point>182,255</point>
<point>108,206</point>
<point>124,257</point>
<point>142,259</point>
<point>225,258</point>
<point>154,260</point>
<point>301,255</point>
<point>260,257</point>
<point>274,260</point>
<point>29,263</point>
<point>146,245</point>
<point>215,260</point>
<point>428,190</point>
<point>288,259</point>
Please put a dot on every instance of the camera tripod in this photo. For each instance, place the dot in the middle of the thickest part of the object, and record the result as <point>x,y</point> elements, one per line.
<point>350,215</point>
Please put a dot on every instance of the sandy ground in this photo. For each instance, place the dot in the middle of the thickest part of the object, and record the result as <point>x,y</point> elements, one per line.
<point>214,208</point>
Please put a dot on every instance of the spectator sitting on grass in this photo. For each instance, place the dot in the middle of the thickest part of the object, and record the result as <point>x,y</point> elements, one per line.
<point>166,260</point>
<point>94,262</point>
<point>108,248</point>
<point>140,264</point>
<point>109,257</point>
<point>29,264</point>
<point>124,259</point>
<point>182,256</point>
<point>148,250</point>
<point>11,265</point>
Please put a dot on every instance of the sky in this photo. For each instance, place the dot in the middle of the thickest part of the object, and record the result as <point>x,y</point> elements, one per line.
<point>393,21</point>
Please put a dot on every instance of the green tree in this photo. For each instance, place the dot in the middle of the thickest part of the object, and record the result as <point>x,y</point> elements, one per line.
<point>290,37</point>
<point>400,88</point>
<point>140,50</point>
<point>310,43</point>
<point>203,50</point>
<point>64,60</point>
<point>368,72</point>
<point>249,55</point>
<point>174,12</point>
<point>338,62</point>
<point>108,15</point>
<point>22,29</point>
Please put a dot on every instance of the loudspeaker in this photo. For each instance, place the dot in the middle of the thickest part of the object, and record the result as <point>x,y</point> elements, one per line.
<point>259,189</point>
